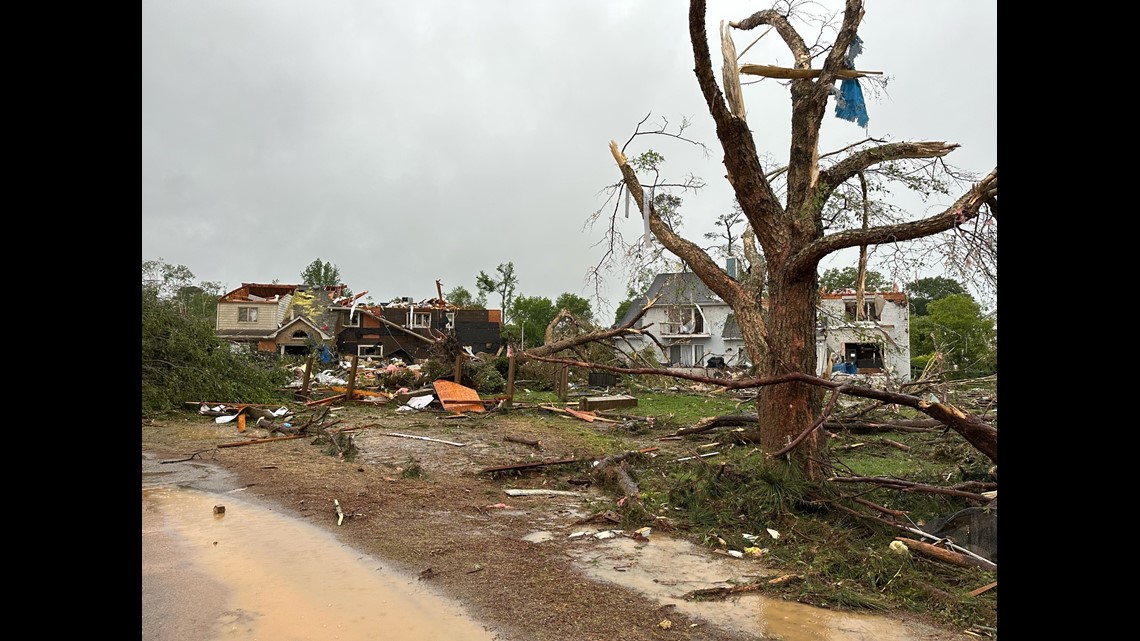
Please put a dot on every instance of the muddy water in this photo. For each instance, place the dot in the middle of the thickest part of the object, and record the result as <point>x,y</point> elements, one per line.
<point>665,569</point>
<point>252,574</point>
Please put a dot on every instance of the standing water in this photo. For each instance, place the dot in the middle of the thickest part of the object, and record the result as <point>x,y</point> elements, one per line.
<point>217,568</point>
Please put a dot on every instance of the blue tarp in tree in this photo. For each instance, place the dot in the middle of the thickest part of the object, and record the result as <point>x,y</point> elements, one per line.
<point>849,103</point>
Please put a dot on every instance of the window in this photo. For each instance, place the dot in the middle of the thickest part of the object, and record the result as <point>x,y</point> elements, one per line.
<point>247,314</point>
<point>352,319</point>
<point>421,319</point>
<point>683,319</point>
<point>686,355</point>
<point>369,350</point>
<point>869,311</point>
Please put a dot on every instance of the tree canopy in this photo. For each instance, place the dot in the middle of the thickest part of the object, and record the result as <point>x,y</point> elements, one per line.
<point>322,274</point>
<point>835,279</point>
<point>924,290</point>
<point>504,285</point>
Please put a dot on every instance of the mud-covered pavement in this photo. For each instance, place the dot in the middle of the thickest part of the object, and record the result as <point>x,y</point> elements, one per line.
<point>523,568</point>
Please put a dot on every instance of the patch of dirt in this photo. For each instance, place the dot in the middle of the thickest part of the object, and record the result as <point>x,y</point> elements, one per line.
<point>426,508</point>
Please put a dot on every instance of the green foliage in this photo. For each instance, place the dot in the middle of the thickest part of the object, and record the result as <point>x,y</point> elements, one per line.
<point>530,315</point>
<point>320,274</point>
<point>576,305</point>
<point>956,326</point>
<point>622,309</point>
<point>484,377</point>
<point>183,361</point>
<point>847,278</point>
<point>728,239</point>
<point>924,290</point>
<point>647,161</point>
<point>504,285</point>
<point>460,297</point>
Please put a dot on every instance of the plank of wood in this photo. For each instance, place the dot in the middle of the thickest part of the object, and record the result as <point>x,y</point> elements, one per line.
<point>458,398</point>
<point>587,403</point>
<point>984,588</point>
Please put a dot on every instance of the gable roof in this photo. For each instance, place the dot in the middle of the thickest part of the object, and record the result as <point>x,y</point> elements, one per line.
<point>301,320</point>
<point>675,288</point>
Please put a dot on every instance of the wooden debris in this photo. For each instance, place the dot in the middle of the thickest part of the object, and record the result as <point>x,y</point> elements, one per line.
<point>587,403</point>
<point>261,440</point>
<point>689,458</point>
<point>895,444</point>
<point>524,466</point>
<point>769,71</point>
<point>425,438</point>
<point>721,592</point>
<point>541,492</point>
<point>524,441</point>
<point>458,398</point>
<point>984,588</point>
<point>944,555</point>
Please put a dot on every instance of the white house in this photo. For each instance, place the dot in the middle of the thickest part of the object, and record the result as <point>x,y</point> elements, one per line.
<point>694,324</point>
<point>876,344</point>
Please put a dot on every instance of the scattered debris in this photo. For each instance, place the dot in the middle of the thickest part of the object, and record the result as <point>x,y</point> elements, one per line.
<point>523,466</point>
<point>498,506</point>
<point>689,458</point>
<point>425,438</point>
<point>541,493</point>
<point>339,512</point>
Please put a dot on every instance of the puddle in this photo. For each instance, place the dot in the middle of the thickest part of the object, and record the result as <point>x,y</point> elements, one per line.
<point>665,569</point>
<point>253,574</point>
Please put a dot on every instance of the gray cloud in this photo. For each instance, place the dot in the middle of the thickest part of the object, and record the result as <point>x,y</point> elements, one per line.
<point>409,142</point>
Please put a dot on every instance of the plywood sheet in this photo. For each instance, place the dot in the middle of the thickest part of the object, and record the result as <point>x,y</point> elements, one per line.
<point>458,398</point>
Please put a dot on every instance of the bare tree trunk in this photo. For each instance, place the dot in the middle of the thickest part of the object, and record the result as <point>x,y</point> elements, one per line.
<point>786,410</point>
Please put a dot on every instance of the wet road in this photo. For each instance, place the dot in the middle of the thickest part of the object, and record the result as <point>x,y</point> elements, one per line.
<point>250,573</point>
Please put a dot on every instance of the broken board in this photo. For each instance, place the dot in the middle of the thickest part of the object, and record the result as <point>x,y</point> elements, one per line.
<point>458,398</point>
<point>587,403</point>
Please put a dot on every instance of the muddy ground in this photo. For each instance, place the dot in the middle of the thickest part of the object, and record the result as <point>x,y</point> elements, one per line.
<point>428,509</point>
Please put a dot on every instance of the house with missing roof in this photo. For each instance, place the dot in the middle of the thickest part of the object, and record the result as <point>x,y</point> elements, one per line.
<point>694,325</point>
<point>299,319</point>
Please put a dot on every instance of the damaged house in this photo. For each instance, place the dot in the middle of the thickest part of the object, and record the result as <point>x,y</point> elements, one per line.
<point>407,330</point>
<point>698,329</point>
<point>296,319</point>
<point>283,319</point>
<point>873,341</point>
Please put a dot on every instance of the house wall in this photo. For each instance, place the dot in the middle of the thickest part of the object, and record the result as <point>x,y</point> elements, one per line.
<point>892,331</point>
<point>711,343</point>
<point>227,316</point>
<point>472,328</point>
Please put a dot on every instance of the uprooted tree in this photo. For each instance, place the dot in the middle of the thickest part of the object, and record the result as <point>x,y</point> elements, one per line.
<point>790,235</point>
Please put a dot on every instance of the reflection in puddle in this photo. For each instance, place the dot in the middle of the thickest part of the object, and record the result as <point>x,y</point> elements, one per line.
<point>665,569</point>
<point>253,574</point>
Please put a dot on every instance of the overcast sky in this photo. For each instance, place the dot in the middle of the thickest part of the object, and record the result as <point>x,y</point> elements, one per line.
<point>406,142</point>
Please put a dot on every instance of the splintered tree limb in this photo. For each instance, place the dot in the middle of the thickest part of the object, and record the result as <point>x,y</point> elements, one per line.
<point>261,440</point>
<point>909,486</point>
<point>946,556</point>
<point>527,466</point>
<point>524,441</point>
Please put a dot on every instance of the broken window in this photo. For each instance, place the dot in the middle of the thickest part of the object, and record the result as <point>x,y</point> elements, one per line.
<point>870,312</point>
<point>863,355</point>
<point>683,319</point>
<point>370,350</point>
<point>421,319</point>
<point>352,319</point>
<point>247,314</point>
